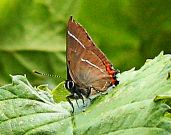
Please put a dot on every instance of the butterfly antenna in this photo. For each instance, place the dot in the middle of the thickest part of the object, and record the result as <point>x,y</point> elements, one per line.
<point>44,74</point>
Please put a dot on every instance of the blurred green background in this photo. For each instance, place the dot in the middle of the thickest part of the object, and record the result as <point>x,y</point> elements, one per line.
<point>32,33</point>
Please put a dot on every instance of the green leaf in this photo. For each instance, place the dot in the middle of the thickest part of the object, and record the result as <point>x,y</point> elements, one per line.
<point>25,110</point>
<point>60,93</point>
<point>140,104</point>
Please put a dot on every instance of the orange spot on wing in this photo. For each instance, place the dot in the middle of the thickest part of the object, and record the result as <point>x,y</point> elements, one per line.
<point>111,72</point>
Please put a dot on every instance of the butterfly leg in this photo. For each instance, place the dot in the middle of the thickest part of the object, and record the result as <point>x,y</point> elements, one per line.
<point>84,105</point>
<point>76,97</point>
<point>83,101</point>
<point>69,100</point>
<point>81,97</point>
<point>77,103</point>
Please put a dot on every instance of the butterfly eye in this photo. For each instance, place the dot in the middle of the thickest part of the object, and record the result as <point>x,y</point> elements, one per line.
<point>70,84</point>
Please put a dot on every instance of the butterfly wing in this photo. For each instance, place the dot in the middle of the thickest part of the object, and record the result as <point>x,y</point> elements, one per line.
<point>87,64</point>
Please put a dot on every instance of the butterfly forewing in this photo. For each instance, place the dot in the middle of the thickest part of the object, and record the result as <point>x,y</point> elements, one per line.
<point>86,63</point>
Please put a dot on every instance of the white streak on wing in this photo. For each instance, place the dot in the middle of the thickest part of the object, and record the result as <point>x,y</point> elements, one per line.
<point>75,39</point>
<point>104,85</point>
<point>92,64</point>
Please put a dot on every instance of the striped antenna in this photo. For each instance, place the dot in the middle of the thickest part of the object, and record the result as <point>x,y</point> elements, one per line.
<point>45,74</point>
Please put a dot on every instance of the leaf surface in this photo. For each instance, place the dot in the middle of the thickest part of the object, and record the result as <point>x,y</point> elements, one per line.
<point>140,104</point>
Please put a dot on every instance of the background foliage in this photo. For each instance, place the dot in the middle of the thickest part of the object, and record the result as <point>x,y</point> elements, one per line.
<point>32,33</point>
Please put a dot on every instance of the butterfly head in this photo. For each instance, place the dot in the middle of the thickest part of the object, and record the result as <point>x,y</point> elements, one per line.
<point>70,85</point>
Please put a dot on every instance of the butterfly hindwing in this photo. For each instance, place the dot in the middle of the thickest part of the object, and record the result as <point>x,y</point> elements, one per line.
<point>85,60</point>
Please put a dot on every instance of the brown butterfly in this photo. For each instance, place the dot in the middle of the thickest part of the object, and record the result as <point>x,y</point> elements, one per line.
<point>88,69</point>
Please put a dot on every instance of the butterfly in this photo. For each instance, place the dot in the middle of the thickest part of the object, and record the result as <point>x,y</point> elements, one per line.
<point>88,69</point>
